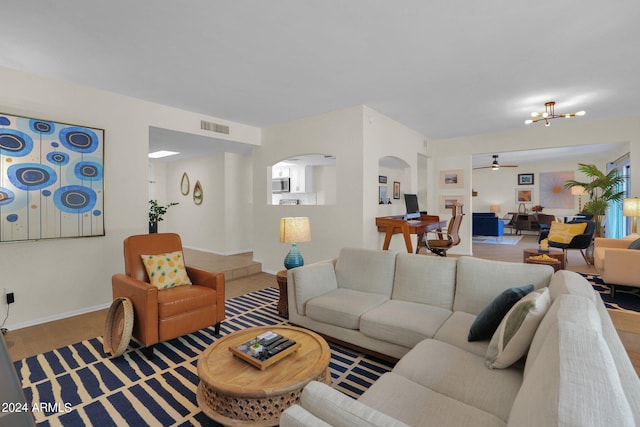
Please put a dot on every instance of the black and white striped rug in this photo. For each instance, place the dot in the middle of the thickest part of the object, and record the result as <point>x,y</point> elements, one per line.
<point>78,386</point>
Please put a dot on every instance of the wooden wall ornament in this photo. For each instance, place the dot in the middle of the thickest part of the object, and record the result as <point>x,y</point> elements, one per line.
<point>185,185</point>
<point>197,193</point>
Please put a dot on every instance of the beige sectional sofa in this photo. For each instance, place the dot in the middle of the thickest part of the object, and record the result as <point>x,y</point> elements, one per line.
<point>420,309</point>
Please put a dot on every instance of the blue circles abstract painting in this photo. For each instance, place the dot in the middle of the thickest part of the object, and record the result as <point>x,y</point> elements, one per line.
<point>51,179</point>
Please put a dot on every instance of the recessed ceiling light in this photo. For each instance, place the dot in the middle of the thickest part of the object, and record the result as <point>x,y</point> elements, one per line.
<point>162,153</point>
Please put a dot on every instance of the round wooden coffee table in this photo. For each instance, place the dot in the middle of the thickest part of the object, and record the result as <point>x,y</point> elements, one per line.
<point>236,393</point>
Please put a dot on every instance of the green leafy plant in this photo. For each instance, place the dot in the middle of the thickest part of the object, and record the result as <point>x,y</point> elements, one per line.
<point>156,211</point>
<point>603,189</point>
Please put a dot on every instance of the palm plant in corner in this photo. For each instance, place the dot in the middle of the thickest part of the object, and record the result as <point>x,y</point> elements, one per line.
<point>156,214</point>
<point>603,189</point>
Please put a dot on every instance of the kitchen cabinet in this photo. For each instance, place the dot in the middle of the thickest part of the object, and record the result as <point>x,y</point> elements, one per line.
<point>280,172</point>
<point>301,179</point>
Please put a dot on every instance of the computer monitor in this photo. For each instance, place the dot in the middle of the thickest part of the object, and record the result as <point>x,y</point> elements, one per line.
<point>411,202</point>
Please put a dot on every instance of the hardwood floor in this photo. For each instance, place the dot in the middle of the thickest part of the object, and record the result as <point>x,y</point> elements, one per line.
<point>243,276</point>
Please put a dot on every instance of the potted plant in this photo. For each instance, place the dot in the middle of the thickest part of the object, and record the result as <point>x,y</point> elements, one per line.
<point>156,214</point>
<point>602,189</point>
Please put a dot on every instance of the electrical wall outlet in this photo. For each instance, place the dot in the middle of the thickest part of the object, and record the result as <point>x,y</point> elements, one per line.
<point>10,298</point>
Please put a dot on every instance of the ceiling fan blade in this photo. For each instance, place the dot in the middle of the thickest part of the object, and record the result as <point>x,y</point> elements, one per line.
<point>500,167</point>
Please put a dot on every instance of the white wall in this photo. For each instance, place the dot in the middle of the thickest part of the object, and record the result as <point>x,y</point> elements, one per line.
<point>384,137</point>
<point>358,137</point>
<point>337,133</point>
<point>55,278</point>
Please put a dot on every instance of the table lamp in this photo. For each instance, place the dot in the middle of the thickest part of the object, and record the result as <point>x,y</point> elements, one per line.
<point>578,190</point>
<point>631,207</point>
<point>294,230</point>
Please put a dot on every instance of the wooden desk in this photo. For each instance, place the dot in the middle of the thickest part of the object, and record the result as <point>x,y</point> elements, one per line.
<point>391,225</point>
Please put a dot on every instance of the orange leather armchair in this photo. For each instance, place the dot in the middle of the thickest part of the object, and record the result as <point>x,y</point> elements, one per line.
<point>161,315</point>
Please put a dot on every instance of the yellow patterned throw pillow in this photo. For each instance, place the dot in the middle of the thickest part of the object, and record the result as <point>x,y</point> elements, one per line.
<point>563,233</point>
<point>166,270</point>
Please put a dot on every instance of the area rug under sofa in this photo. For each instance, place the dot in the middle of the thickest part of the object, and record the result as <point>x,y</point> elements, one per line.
<point>79,386</point>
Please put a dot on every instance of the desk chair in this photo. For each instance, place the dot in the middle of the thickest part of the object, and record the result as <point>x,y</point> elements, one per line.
<point>450,238</point>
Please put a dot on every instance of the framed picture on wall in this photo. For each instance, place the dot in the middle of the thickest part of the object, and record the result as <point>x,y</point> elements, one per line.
<point>382,179</point>
<point>396,190</point>
<point>447,202</point>
<point>382,194</point>
<point>452,178</point>
<point>524,195</point>
<point>52,179</point>
<point>525,179</point>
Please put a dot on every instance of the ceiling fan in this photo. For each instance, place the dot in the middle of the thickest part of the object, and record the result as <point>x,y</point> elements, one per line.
<point>495,165</point>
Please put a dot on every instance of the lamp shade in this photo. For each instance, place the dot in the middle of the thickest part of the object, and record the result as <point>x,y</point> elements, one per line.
<point>295,229</point>
<point>494,208</point>
<point>577,190</point>
<point>631,206</point>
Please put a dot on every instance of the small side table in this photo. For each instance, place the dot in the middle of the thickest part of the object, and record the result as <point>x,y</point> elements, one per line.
<point>283,302</point>
<point>558,255</point>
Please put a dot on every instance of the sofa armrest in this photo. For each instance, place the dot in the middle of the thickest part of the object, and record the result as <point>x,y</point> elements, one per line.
<point>297,416</point>
<point>309,281</point>
<point>213,280</point>
<point>144,298</point>
<point>621,267</point>
<point>604,242</point>
<point>338,409</point>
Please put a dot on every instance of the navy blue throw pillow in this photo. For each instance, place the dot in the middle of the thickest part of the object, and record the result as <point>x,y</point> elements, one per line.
<point>489,319</point>
<point>635,244</point>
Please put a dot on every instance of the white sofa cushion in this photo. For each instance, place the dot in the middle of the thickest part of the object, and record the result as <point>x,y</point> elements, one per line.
<point>312,281</point>
<point>366,270</point>
<point>513,337</point>
<point>461,375</point>
<point>342,307</point>
<point>479,281</point>
<point>340,410</point>
<point>569,282</point>
<point>565,308</point>
<point>425,280</point>
<point>417,405</point>
<point>626,372</point>
<point>572,382</point>
<point>403,323</point>
<point>455,331</point>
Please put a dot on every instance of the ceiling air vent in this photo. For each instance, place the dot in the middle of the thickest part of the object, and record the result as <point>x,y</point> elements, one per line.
<point>214,127</point>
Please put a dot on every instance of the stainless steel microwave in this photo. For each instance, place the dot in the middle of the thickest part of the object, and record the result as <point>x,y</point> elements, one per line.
<point>280,185</point>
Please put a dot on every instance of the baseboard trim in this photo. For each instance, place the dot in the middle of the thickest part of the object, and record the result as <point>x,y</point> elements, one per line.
<point>55,317</point>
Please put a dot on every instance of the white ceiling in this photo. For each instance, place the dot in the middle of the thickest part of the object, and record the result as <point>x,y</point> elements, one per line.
<point>527,157</point>
<point>446,68</point>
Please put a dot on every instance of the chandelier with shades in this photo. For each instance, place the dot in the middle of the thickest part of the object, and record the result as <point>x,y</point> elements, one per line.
<point>549,113</point>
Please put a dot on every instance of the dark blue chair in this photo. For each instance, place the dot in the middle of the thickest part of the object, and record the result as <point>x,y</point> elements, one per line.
<point>579,242</point>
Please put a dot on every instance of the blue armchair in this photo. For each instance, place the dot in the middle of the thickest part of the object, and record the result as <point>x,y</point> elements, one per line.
<point>487,224</point>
